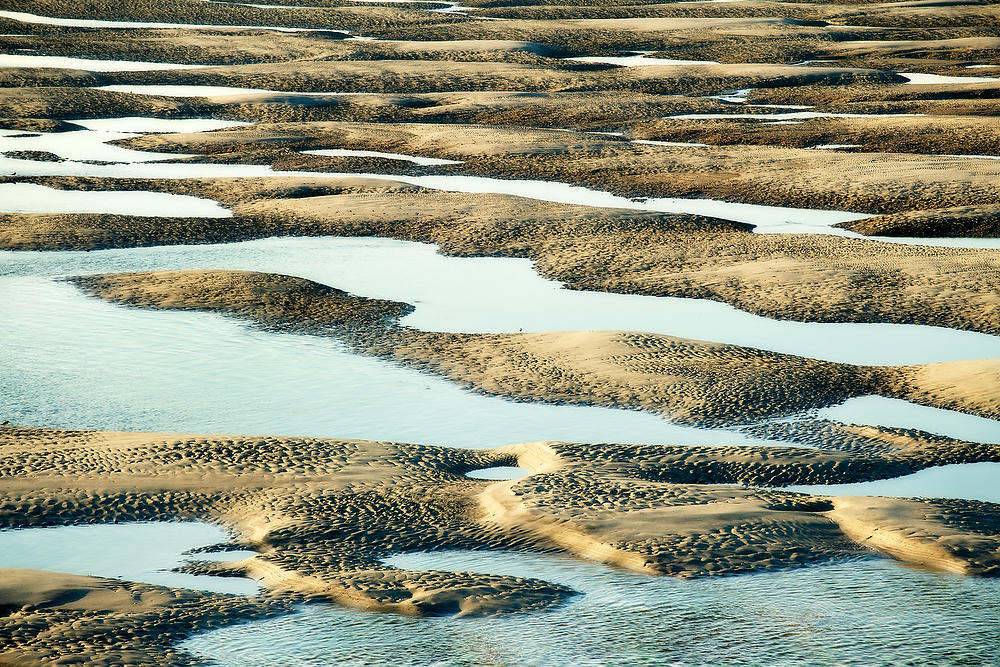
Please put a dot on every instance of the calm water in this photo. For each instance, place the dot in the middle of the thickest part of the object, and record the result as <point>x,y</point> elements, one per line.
<point>971,481</point>
<point>143,552</point>
<point>31,198</point>
<point>77,362</point>
<point>25,17</point>
<point>86,64</point>
<point>498,473</point>
<point>895,413</point>
<point>503,295</point>
<point>863,614</point>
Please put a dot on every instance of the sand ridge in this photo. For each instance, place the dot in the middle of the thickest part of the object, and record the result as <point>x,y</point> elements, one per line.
<point>322,513</point>
<point>805,278</point>
<point>685,380</point>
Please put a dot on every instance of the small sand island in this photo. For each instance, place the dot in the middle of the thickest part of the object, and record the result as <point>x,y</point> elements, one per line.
<point>510,333</point>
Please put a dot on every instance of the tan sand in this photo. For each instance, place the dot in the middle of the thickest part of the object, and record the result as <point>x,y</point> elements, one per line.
<point>55,618</point>
<point>806,278</point>
<point>685,380</point>
<point>321,513</point>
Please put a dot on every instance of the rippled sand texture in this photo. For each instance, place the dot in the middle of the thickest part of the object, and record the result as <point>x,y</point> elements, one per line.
<point>686,380</point>
<point>826,174</point>
<point>322,514</point>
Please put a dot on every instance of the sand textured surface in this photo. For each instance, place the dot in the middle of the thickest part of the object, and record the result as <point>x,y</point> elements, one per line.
<point>685,380</point>
<point>321,515</point>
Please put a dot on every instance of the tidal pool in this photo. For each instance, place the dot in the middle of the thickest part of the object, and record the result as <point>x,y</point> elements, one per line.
<point>85,144</point>
<point>26,17</point>
<point>504,295</point>
<point>498,473</point>
<point>968,481</point>
<point>173,90</point>
<point>147,125</point>
<point>895,413</point>
<point>863,613</point>
<point>415,159</point>
<point>87,64</point>
<point>789,115</point>
<point>639,60</point>
<point>916,78</point>
<point>71,361</point>
<point>141,552</point>
<point>31,198</point>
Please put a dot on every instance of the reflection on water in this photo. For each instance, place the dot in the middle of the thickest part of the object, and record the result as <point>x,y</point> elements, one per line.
<point>498,473</point>
<point>971,481</point>
<point>855,614</point>
<point>76,362</point>
<point>86,64</point>
<point>896,413</point>
<point>31,198</point>
<point>497,295</point>
<point>142,552</point>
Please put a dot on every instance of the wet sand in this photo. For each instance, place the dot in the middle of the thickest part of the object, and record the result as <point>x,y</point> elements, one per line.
<point>323,513</point>
<point>881,116</point>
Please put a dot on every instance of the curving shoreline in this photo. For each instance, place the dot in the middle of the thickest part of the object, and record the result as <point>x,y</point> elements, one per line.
<point>322,513</point>
<point>825,166</point>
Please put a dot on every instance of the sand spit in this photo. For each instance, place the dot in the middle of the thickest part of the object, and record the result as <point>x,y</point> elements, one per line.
<point>983,221</point>
<point>774,176</point>
<point>685,380</point>
<point>322,514</point>
<point>815,278</point>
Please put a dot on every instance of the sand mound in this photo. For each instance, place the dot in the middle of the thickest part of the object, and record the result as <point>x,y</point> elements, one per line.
<point>686,380</point>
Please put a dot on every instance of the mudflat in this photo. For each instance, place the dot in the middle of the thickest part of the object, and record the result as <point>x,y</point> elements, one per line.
<point>807,162</point>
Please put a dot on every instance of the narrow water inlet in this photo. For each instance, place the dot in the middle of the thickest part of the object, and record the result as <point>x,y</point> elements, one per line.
<point>139,552</point>
<point>31,198</point>
<point>965,481</point>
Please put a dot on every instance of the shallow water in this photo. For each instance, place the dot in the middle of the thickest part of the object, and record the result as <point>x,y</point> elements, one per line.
<point>146,125</point>
<point>498,473</point>
<point>87,64</point>
<point>26,17</point>
<point>674,144</point>
<point>168,90</point>
<point>916,78</point>
<point>788,115</point>
<point>72,361</point>
<point>415,159</point>
<point>969,481</point>
<point>81,145</point>
<point>31,198</point>
<point>895,413</point>
<point>640,60</point>
<point>857,614</point>
<point>142,552</point>
<point>503,295</point>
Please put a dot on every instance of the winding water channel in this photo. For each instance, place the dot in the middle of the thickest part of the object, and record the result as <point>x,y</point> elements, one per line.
<point>73,361</point>
<point>853,614</point>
